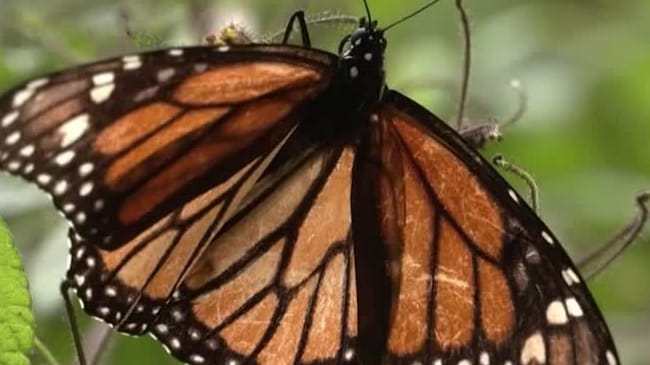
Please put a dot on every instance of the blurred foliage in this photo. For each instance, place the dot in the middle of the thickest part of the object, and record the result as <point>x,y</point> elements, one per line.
<point>584,136</point>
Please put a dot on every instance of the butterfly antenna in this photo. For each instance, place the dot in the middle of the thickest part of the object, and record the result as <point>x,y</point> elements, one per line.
<point>467,59</point>
<point>522,174</point>
<point>365,4</point>
<point>522,103</point>
<point>423,8</point>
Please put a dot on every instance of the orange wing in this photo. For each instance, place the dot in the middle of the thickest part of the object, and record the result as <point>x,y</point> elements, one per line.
<point>121,143</point>
<point>476,277</point>
<point>274,286</point>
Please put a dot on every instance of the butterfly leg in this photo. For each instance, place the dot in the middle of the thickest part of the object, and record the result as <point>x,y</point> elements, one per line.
<point>521,173</point>
<point>72,320</point>
<point>601,257</point>
<point>302,23</point>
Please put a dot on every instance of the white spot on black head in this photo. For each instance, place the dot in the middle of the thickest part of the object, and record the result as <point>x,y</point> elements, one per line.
<point>88,294</point>
<point>9,119</point>
<point>175,52</point>
<point>367,56</point>
<point>139,308</point>
<point>104,311</point>
<point>464,362</point>
<point>223,48</point>
<point>354,72</point>
<point>131,326</point>
<point>436,362</point>
<point>13,138</point>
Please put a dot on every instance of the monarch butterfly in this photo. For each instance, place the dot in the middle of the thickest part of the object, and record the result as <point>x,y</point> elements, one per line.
<point>275,204</point>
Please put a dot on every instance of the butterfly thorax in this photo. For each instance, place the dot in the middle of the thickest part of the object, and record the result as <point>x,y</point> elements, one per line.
<point>358,86</point>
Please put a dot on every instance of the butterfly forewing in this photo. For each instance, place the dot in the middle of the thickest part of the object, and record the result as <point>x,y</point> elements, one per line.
<point>120,143</point>
<point>476,277</point>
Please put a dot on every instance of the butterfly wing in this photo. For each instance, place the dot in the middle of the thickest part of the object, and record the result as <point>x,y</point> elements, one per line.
<point>476,277</point>
<point>121,143</point>
<point>277,284</point>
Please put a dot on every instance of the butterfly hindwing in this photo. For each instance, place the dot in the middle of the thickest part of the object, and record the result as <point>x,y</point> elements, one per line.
<point>477,277</point>
<point>277,284</point>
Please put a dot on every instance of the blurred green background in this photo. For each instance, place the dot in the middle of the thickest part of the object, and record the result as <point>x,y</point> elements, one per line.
<point>584,64</point>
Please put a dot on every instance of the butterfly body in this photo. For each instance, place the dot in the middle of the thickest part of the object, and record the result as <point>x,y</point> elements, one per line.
<point>274,204</point>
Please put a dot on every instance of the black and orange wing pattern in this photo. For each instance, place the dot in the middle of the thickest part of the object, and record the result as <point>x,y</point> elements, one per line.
<point>264,204</point>
<point>119,143</point>
<point>476,277</point>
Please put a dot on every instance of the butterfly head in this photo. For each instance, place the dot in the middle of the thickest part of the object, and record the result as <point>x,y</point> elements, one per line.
<point>367,43</point>
<point>362,63</point>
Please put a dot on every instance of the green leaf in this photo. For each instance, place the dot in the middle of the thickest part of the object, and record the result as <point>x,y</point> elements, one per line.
<point>16,317</point>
